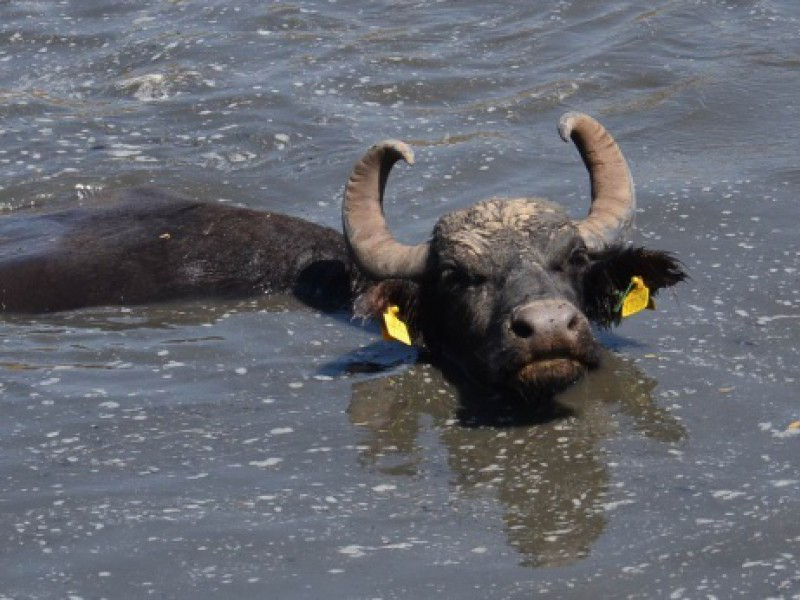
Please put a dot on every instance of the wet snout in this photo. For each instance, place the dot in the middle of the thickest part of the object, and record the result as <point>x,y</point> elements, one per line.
<point>550,328</point>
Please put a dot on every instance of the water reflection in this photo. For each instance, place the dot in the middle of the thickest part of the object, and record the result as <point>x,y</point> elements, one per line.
<point>548,471</point>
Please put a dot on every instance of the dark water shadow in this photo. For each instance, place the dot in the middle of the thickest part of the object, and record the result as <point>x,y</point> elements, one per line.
<point>612,340</point>
<point>378,357</point>
<point>548,471</point>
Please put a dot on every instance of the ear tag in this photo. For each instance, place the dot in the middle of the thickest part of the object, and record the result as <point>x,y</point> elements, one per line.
<point>393,327</point>
<point>635,299</point>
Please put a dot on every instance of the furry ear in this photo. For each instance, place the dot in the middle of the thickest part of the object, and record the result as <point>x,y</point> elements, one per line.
<point>374,301</point>
<point>611,271</point>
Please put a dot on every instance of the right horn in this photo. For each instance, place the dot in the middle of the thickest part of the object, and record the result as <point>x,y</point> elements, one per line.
<point>613,196</point>
<point>374,248</point>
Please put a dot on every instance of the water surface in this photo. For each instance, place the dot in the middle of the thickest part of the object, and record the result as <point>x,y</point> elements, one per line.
<point>229,449</point>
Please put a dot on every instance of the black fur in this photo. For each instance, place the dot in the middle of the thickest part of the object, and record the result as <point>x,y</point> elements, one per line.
<point>146,245</point>
<point>611,271</point>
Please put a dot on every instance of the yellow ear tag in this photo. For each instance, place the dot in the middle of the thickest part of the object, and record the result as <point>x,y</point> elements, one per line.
<point>393,327</point>
<point>636,298</point>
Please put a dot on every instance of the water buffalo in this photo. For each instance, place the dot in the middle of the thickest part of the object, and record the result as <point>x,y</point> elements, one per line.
<point>505,290</point>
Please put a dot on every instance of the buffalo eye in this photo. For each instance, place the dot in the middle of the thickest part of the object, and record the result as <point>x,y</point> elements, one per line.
<point>576,259</point>
<point>579,257</point>
<point>455,277</point>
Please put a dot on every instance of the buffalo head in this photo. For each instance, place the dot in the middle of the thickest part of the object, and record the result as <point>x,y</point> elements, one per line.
<point>506,289</point>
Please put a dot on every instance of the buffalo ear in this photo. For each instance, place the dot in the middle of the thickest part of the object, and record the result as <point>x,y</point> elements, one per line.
<point>374,301</point>
<point>610,273</point>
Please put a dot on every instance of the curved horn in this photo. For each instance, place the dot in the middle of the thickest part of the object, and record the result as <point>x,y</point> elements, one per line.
<point>372,245</point>
<point>613,196</point>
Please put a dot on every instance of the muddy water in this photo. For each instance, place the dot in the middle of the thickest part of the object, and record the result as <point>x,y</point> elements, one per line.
<point>234,449</point>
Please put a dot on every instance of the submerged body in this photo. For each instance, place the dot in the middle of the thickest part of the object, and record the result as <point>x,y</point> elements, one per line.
<point>147,245</point>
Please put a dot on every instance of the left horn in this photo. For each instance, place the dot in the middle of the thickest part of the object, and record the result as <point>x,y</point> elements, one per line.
<point>374,248</point>
<point>613,196</point>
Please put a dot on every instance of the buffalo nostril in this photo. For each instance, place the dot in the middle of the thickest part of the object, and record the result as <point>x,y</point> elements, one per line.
<point>522,329</point>
<point>574,322</point>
